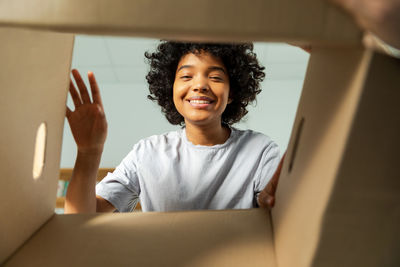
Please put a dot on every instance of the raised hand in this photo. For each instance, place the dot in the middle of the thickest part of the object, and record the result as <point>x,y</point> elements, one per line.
<point>88,122</point>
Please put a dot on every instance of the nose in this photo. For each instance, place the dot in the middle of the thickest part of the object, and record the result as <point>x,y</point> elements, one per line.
<point>200,84</point>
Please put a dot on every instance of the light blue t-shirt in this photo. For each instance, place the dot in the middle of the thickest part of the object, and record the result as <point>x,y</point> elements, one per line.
<point>168,173</point>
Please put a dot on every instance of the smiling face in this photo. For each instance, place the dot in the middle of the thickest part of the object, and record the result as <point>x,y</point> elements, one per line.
<point>201,89</point>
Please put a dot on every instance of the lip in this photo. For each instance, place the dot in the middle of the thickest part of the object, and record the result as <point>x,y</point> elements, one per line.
<point>206,98</point>
<point>200,105</point>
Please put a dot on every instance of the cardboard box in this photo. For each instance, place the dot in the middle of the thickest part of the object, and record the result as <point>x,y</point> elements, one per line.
<point>338,201</point>
<point>339,193</point>
<point>223,20</point>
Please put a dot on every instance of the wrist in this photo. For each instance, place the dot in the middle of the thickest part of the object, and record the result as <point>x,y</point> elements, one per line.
<point>90,151</point>
<point>87,164</point>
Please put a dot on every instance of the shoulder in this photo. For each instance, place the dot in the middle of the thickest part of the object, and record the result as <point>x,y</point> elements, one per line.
<point>154,142</point>
<point>253,142</point>
<point>253,137</point>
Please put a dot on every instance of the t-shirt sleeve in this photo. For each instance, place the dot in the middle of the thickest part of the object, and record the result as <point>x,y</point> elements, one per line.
<point>121,187</point>
<point>269,162</point>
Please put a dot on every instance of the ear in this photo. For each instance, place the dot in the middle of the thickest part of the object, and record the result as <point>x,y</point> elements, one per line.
<point>230,100</point>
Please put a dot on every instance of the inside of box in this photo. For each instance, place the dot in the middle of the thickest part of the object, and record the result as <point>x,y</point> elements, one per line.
<point>33,85</point>
<point>363,213</point>
<point>329,101</point>
<point>342,92</point>
<point>311,21</point>
<point>196,238</point>
<point>337,200</point>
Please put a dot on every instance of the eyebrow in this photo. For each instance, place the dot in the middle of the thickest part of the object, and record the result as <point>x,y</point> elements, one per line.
<point>210,68</point>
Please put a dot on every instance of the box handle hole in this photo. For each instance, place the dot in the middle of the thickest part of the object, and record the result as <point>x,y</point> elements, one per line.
<point>40,150</point>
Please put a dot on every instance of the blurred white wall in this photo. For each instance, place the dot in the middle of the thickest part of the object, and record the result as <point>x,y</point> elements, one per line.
<point>120,69</point>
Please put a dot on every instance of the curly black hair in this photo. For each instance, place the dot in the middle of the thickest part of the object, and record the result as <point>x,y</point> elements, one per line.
<point>244,71</point>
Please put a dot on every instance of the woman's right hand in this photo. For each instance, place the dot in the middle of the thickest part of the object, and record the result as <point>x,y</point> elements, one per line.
<point>88,122</point>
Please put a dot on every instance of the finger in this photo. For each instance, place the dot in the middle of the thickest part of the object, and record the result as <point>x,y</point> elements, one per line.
<point>74,95</point>
<point>273,183</point>
<point>266,198</point>
<point>270,201</point>
<point>95,89</point>
<point>68,112</point>
<point>266,201</point>
<point>81,86</point>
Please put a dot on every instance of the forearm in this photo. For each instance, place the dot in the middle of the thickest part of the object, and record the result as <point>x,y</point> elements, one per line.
<point>81,195</point>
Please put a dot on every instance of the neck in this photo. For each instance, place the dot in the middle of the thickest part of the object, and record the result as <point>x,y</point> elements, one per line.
<point>207,135</point>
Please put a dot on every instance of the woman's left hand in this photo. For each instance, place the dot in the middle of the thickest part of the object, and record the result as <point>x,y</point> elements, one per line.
<point>266,198</point>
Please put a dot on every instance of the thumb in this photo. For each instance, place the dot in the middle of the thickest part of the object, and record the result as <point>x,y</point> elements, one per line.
<point>266,200</point>
<point>68,112</point>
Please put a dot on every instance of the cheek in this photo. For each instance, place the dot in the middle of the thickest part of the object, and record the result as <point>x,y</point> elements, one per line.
<point>177,94</point>
<point>180,90</point>
<point>225,93</point>
<point>175,91</point>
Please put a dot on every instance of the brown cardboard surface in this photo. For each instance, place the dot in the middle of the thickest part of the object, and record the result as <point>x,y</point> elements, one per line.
<point>327,104</point>
<point>332,203</point>
<point>33,89</point>
<point>338,204</point>
<point>362,219</point>
<point>196,238</point>
<point>309,21</point>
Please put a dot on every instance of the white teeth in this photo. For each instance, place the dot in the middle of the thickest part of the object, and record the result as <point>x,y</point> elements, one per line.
<point>199,101</point>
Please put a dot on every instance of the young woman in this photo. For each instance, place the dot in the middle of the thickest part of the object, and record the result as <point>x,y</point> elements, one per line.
<point>208,164</point>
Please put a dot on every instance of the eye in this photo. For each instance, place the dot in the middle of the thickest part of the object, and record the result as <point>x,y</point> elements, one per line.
<point>216,78</point>
<point>185,77</point>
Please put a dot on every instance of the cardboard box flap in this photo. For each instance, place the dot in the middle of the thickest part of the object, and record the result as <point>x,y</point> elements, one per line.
<point>195,238</point>
<point>323,120</point>
<point>361,221</point>
<point>33,89</point>
<point>341,176</point>
<point>310,21</point>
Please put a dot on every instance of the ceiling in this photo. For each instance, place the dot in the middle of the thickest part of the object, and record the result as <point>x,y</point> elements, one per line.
<point>119,60</point>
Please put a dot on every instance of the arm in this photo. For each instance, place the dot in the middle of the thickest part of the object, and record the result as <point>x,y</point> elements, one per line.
<point>81,196</point>
<point>89,128</point>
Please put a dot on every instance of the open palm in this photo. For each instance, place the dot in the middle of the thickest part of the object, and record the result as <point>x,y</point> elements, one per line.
<point>88,122</point>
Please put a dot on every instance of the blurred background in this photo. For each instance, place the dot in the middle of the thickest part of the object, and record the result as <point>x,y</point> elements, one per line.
<point>120,69</point>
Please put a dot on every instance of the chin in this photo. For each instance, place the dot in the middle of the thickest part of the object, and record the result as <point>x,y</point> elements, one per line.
<point>200,121</point>
<point>197,121</point>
